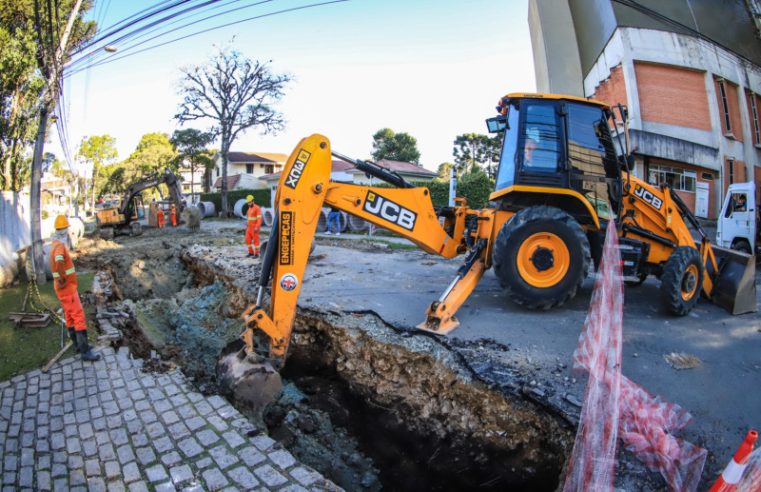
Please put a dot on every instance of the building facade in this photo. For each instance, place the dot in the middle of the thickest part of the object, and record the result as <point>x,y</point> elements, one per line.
<point>691,85</point>
<point>250,166</point>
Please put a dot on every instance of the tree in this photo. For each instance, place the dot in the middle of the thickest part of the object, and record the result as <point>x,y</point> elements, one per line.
<point>395,146</point>
<point>444,170</point>
<point>191,147</point>
<point>236,94</point>
<point>473,150</point>
<point>98,151</point>
<point>154,153</point>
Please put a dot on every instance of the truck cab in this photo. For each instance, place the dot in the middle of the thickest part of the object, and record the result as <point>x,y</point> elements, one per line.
<point>737,227</point>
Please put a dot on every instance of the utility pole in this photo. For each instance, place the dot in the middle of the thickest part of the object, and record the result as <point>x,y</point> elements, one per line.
<point>48,98</point>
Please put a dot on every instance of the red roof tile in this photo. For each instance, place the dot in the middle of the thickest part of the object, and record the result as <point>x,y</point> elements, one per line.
<point>231,182</point>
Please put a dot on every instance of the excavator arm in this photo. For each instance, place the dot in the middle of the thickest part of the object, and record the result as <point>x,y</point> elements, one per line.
<point>152,181</point>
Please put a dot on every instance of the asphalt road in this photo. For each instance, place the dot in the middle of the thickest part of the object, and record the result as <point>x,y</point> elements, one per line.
<point>722,393</point>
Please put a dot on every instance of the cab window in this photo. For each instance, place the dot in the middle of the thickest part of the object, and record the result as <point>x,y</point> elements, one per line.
<point>509,156</point>
<point>540,139</point>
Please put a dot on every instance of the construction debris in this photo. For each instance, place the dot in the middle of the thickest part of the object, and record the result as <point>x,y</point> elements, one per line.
<point>681,361</point>
<point>30,320</point>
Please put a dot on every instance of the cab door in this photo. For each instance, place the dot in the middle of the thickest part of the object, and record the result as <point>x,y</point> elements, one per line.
<point>737,221</point>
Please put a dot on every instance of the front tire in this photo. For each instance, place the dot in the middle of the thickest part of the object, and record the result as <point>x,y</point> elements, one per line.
<point>541,257</point>
<point>682,280</point>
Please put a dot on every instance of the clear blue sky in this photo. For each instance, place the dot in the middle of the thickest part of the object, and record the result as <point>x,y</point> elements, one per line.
<point>432,68</point>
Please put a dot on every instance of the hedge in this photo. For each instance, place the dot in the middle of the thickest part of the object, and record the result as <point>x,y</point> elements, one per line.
<point>261,197</point>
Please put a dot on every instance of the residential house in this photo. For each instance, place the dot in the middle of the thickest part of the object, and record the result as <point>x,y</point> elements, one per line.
<point>245,168</point>
<point>689,77</point>
<point>345,172</point>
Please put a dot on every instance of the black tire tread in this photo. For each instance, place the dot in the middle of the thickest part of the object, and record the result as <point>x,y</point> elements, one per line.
<point>508,232</point>
<point>671,280</point>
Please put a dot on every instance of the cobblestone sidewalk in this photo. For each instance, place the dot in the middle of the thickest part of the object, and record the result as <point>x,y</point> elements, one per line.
<point>109,426</point>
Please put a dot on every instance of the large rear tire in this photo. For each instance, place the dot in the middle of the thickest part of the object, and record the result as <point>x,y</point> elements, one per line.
<point>541,257</point>
<point>682,280</point>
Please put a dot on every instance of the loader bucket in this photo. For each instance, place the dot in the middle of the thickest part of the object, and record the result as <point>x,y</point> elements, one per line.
<point>250,381</point>
<point>735,288</point>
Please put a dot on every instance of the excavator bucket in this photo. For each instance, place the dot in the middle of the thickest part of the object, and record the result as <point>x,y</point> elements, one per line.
<point>735,288</point>
<point>249,380</point>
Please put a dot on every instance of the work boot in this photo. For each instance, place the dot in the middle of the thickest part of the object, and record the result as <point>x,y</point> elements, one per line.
<point>84,347</point>
<point>250,255</point>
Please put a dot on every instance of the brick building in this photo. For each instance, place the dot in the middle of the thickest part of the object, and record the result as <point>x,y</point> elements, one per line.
<point>692,86</point>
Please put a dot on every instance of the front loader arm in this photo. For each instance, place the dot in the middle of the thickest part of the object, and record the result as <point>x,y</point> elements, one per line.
<point>304,188</point>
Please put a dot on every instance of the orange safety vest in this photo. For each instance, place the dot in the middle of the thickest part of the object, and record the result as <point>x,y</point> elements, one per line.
<point>254,216</point>
<point>160,214</point>
<point>62,264</point>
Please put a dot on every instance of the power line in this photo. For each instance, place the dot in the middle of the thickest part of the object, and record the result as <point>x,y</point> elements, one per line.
<point>271,14</point>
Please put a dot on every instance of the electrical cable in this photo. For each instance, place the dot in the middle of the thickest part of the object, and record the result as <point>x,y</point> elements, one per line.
<point>279,12</point>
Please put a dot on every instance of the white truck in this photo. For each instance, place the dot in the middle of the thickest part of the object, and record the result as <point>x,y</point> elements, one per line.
<point>738,227</point>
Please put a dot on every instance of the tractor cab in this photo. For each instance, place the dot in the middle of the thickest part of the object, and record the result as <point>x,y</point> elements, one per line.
<point>556,150</point>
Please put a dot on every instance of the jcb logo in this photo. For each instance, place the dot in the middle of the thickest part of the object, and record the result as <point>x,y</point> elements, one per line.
<point>648,197</point>
<point>294,175</point>
<point>390,211</point>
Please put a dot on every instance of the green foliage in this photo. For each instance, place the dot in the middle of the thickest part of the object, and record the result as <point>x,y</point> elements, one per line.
<point>476,186</point>
<point>444,169</point>
<point>153,153</point>
<point>395,146</point>
<point>261,197</point>
<point>473,150</point>
<point>192,152</point>
<point>98,150</point>
<point>27,46</point>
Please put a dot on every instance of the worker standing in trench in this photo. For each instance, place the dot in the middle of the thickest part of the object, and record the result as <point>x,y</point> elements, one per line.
<point>173,214</point>
<point>253,226</point>
<point>65,283</point>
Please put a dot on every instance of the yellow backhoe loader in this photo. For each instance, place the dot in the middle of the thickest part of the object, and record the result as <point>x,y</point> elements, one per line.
<point>559,184</point>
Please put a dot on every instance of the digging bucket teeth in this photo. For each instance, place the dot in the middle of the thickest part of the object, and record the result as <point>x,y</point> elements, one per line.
<point>251,382</point>
<point>735,288</point>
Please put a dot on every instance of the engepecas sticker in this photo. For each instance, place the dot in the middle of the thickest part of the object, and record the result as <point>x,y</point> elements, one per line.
<point>288,282</point>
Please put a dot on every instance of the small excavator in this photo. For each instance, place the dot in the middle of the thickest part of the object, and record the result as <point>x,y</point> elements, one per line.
<point>561,182</point>
<point>124,219</point>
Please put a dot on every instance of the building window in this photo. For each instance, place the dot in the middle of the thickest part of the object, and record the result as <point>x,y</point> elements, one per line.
<point>731,165</point>
<point>754,117</point>
<point>724,106</point>
<point>217,172</point>
<point>676,178</point>
<point>249,169</point>
<point>269,169</point>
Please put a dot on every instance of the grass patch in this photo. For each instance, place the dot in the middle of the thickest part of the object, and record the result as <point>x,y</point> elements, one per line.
<point>24,349</point>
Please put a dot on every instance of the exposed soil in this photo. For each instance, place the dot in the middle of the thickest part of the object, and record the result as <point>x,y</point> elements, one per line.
<point>369,406</point>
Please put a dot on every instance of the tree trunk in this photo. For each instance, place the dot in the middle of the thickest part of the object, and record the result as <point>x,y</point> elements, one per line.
<point>38,263</point>
<point>94,181</point>
<point>225,150</point>
<point>192,176</point>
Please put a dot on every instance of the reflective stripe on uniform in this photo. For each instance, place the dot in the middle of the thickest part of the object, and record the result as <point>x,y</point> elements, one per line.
<point>69,271</point>
<point>254,218</point>
<point>55,275</point>
<point>58,257</point>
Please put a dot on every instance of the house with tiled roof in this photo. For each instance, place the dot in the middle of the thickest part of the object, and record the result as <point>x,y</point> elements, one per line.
<point>245,168</point>
<point>344,172</point>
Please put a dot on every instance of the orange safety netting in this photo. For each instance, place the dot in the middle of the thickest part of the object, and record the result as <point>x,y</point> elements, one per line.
<point>615,407</point>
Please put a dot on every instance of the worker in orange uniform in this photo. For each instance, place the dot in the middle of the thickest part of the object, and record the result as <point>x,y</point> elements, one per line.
<point>160,218</point>
<point>253,226</point>
<point>173,214</point>
<point>65,283</point>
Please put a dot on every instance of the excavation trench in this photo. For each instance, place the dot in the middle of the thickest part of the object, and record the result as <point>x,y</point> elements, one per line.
<point>367,405</point>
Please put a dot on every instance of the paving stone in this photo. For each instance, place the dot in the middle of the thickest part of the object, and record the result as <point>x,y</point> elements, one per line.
<point>92,468</point>
<point>218,423</point>
<point>263,443</point>
<point>140,439</point>
<point>181,474</point>
<point>60,470</point>
<point>131,472</point>
<point>156,473</point>
<point>270,476</point>
<point>282,458</point>
<point>116,486</point>
<point>165,487</point>
<point>162,406</point>
<point>171,458</point>
<point>62,485</point>
<point>125,454</point>
<point>203,408</point>
<point>44,481</point>
<point>304,476</point>
<point>89,447</point>
<point>223,457</point>
<point>145,455</point>
<point>207,437</point>
<point>77,477</point>
<point>113,469</point>
<point>216,401</point>
<point>178,431</point>
<point>293,488</point>
<point>119,437</point>
<point>195,423</point>
<point>214,479</point>
<point>204,463</point>
<point>233,439</point>
<point>163,444</point>
<point>75,461</point>
<point>106,452</point>
<point>190,447</point>
<point>243,477</point>
<point>96,484</point>
<point>86,431</point>
<point>251,456</point>
<point>155,429</point>
<point>26,476</point>
<point>138,487</point>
